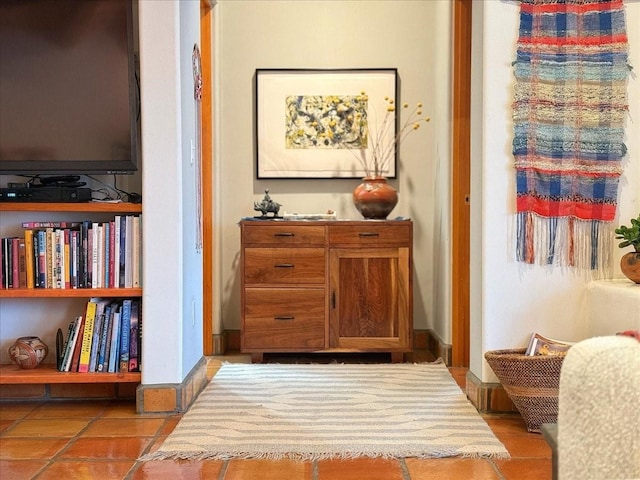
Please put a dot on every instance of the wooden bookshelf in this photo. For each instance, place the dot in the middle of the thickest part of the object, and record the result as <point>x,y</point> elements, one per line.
<point>69,292</point>
<point>47,373</point>
<point>121,207</point>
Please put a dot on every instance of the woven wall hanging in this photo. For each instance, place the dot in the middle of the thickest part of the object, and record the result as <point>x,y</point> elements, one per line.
<point>569,110</point>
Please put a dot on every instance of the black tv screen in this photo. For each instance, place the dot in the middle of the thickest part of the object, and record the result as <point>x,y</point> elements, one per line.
<point>69,96</point>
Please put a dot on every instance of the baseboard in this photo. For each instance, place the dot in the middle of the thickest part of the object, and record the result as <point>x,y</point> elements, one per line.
<point>488,397</point>
<point>437,347</point>
<point>229,341</point>
<point>172,397</point>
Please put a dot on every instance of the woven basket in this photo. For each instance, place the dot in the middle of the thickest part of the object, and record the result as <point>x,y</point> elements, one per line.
<point>531,382</point>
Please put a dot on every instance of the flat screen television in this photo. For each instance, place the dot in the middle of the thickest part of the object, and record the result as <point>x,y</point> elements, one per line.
<point>69,89</point>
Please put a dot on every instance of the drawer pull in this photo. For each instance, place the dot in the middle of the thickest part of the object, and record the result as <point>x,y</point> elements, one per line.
<point>284,317</point>
<point>369,234</point>
<point>333,300</point>
<point>284,234</point>
<point>284,265</point>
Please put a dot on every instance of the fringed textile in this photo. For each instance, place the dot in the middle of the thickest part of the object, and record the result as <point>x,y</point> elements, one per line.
<point>569,109</point>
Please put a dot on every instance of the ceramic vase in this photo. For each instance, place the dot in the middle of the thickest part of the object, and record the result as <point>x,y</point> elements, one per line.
<point>375,198</point>
<point>630,266</point>
<point>28,352</point>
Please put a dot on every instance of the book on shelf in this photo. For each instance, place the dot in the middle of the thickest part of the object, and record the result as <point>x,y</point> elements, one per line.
<point>72,338</point>
<point>22,263</point>
<point>97,332</point>
<point>114,348</point>
<point>30,258</point>
<point>49,224</point>
<point>42,259</point>
<point>86,254</point>
<point>105,339</point>
<point>122,251</point>
<point>15,261</point>
<point>87,338</point>
<point>75,359</point>
<point>125,326</point>
<point>48,255</point>
<point>541,345</point>
<point>134,339</point>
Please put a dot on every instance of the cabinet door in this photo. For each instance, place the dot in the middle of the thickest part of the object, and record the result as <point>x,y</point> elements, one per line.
<point>370,299</point>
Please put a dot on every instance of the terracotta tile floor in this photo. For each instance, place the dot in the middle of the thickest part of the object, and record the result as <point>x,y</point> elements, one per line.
<point>103,439</point>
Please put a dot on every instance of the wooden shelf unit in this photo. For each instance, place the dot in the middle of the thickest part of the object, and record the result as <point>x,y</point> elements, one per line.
<point>69,292</point>
<point>95,207</point>
<point>48,373</point>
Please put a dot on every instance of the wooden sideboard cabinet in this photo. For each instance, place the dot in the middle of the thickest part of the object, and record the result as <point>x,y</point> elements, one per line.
<point>326,286</point>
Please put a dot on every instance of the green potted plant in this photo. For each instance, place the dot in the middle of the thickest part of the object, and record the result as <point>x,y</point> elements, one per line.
<point>630,236</point>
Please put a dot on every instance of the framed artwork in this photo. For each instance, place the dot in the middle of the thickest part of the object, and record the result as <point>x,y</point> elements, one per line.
<point>319,123</point>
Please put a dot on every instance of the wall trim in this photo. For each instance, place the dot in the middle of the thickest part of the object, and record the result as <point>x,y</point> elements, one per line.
<point>172,397</point>
<point>488,397</point>
<point>437,347</point>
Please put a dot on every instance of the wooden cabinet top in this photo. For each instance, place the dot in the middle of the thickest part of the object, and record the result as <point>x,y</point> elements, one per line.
<point>348,233</point>
<point>278,221</point>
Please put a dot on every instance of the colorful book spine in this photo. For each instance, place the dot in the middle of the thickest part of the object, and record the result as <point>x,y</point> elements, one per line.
<point>104,340</point>
<point>85,352</point>
<point>42,259</point>
<point>125,325</point>
<point>6,262</point>
<point>123,251</point>
<point>95,339</point>
<point>22,263</point>
<point>68,346</point>
<point>30,258</point>
<point>114,349</point>
<point>49,224</point>
<point>15,262</point>
<point>116,252</point>
<point>133,336</point>
<point>66,242</point>
<point>75,360</point>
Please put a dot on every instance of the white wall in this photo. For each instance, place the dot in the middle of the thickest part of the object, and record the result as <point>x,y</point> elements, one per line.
<point>412,36</point>
<point>172,265</point>
<point>510,299</point>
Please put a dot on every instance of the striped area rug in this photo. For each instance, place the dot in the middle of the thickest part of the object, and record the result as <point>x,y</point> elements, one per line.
<point>311,412</point>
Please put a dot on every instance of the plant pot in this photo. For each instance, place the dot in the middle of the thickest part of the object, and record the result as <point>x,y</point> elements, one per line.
<point>28,352</point>
<point>630,266</point>
<point>375,198</point>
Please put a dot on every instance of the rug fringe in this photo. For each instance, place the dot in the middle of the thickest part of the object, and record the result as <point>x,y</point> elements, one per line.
<point>310,457</point>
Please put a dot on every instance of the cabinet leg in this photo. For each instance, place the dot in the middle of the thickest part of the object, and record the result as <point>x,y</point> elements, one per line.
<point>257,357</point>
<point>397,357</point>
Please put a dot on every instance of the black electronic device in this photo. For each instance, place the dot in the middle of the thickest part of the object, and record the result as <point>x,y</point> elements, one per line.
<point>49,194</point>
<point>69,87</point>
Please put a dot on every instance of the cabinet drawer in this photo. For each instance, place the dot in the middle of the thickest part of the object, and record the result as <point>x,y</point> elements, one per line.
<point>370,234</point>
<point>281,318</point>
<point>282,234</point>
<point>284,265</point>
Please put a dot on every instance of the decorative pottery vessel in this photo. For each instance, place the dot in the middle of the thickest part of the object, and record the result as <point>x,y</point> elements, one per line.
<point>28,352</point>
<point>375,198</point>
<point>630,266</point>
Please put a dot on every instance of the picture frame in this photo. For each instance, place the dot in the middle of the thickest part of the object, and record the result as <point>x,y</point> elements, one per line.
<point>304,124</point>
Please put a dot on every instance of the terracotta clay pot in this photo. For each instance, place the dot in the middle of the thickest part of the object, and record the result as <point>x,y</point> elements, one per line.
<point>375,198</point>
<point>28,352</point>
<point>630,266</point>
